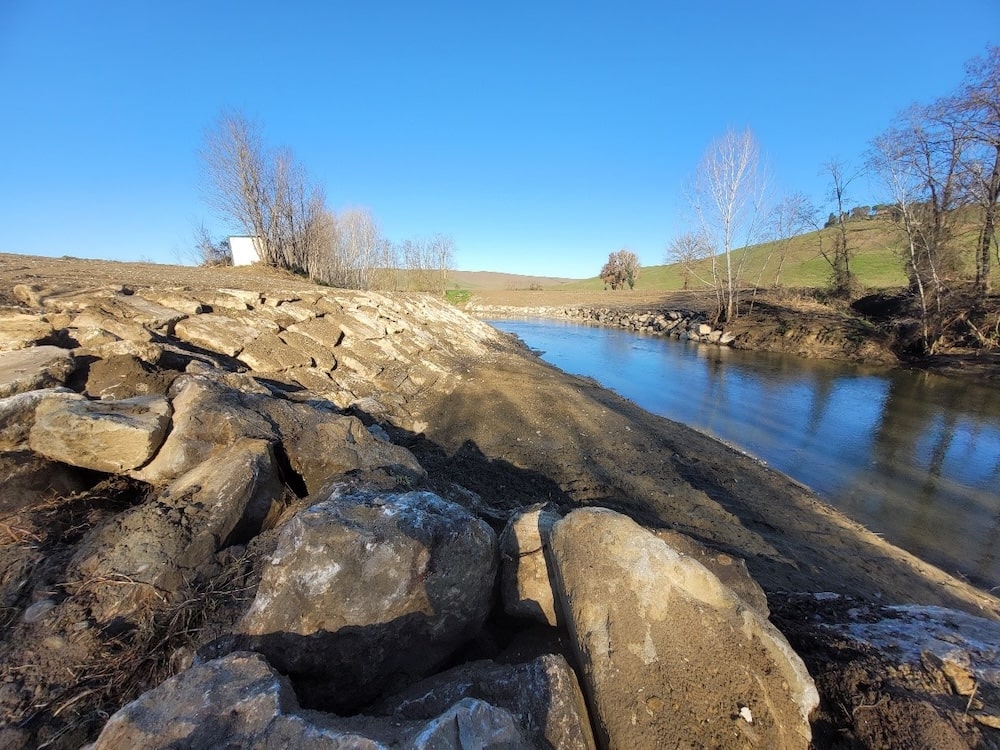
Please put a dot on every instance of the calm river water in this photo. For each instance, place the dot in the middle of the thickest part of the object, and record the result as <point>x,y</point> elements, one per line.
<point>912,456</point>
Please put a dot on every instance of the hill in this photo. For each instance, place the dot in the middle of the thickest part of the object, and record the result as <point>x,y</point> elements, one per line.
<point>876,245</point>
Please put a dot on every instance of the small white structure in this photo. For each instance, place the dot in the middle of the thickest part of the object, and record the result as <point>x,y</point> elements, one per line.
<point>245,250</point>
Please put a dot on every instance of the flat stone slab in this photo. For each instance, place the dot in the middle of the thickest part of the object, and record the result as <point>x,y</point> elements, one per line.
<point>110,436</point>
<point>30,369</point>
<point>20,330</point>
<point>217,333</point>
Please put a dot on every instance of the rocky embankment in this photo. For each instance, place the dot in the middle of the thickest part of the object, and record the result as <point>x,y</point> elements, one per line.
<point>685,325</point>
<point>807,329</point>
<point>223,525</point>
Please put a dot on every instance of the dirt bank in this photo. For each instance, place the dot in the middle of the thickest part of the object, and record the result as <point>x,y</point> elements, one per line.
<point>517,431</point>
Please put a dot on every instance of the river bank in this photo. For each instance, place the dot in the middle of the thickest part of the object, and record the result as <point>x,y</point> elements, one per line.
<point>488,427</point>
<point>880,331</point>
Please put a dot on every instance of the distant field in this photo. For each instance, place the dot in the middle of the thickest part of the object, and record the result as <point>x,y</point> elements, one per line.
<point>876,245</point>
<point>488,280</point>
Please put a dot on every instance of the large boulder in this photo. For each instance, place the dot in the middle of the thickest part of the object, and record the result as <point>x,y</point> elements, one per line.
<point>239,701</point>
<point>320,443</point>
<point>670,657</point>
<point>22,330</point>
<point>148,552</point>
<point>17,415</point>
<point>543,695</point>
<point>111,436</point>
<point>367,591</point>
<point>33,368</point>
<point>731,571</point>
<point>94,326</point>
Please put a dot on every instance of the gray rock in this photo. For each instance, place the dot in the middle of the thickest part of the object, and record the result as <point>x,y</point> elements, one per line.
<point>526,576</point>
<point>320,443</point>
<point>239,701</point>
<point>321,355</point>
<point>365,590</point>
<point>148,552</point>
<point>111,436</point>
<point>543,695</point>
<point>30,369</point>
<point>17,415</point>
<point>668,655</point>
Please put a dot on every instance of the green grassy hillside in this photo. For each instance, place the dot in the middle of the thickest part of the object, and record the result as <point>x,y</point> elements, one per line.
<point>876,246</point>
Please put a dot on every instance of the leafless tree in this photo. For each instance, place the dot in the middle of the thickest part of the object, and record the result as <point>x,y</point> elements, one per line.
<point>728,197</point>
<point>842,278</point>
<point>690,251</point>
<point>265,192</point>
<point>793,215</point>
<point>920,162</point>
<point>209,252</point>
<point>426,262</point>
<point>358,247</point>
<point>978,104</point>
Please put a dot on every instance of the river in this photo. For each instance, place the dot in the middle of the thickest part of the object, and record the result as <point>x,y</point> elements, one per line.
<point>913,456</point>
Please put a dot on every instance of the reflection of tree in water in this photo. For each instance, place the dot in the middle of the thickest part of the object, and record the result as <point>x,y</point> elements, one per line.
<point>915,495</point>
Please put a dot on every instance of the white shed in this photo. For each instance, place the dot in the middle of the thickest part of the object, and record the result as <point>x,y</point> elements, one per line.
<point>245,250</point>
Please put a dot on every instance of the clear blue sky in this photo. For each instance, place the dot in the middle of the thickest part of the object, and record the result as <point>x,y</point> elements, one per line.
<point>540,135</point>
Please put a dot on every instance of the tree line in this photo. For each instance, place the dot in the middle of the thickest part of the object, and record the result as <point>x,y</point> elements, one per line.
<point>268,194</point>
<point>932,160</point>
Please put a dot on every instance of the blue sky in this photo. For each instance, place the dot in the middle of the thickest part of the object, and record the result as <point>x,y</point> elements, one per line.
<point>541,136</point>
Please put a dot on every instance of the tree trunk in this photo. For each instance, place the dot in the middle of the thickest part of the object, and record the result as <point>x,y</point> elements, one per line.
<point>987,231</point>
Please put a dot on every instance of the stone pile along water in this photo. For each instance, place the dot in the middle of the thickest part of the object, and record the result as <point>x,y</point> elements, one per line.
<point>225,525</point>
<point>684,325</point>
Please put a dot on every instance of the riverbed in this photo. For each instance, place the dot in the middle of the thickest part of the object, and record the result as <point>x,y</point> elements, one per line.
<point>913,456</point>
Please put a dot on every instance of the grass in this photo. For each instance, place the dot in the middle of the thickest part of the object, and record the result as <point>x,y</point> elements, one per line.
<point>877,247</point>
<point>457,296</point>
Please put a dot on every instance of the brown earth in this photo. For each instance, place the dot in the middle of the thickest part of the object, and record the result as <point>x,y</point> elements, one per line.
<point>517,431</point>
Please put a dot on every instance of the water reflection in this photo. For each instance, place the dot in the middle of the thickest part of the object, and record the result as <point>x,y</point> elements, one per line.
<point>913,456</point>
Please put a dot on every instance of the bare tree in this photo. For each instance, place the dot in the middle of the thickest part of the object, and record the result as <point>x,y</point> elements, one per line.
<point>690,251</point>
<point>264,192</point>
<point>210,252</point>
<point>427,262</point>
<point>359,245</point>
<point>978,103</point>
<point>920,161</point>
<point>839,259</point>
<point>728,198</point>
<point>443,251</point>
<point>793,215</point>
